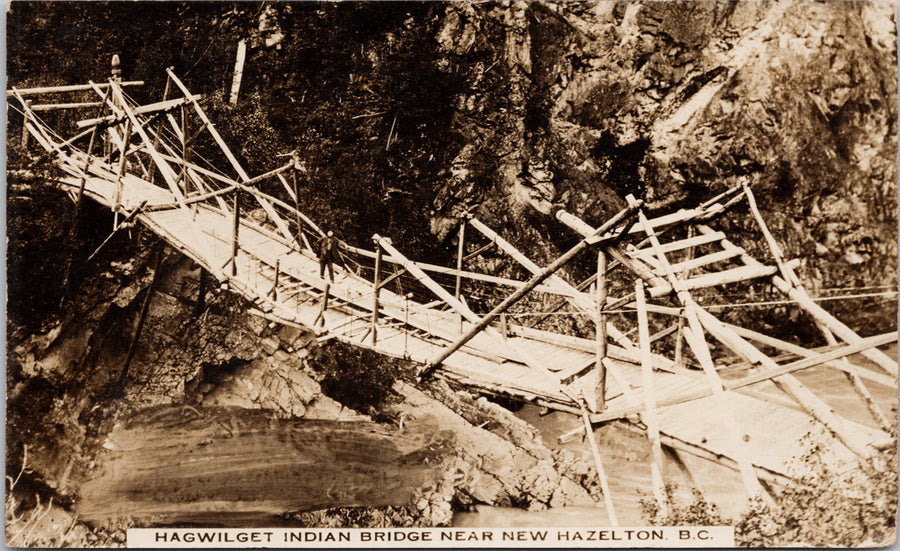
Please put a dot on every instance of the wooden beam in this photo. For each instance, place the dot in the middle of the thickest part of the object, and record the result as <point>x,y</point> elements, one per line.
<point>601,473</point>
<point>779,344</point>
<point>601,331</point>
<point>376,289</point>
<point>55,106</point>
<point>649,416</point>
<point>69,88</point>
<point>758,377</point>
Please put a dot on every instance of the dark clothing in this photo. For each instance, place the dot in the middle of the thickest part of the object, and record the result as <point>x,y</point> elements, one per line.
<point>327,255</point>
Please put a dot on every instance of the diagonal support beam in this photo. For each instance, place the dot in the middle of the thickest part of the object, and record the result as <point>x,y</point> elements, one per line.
<point>528,287</point>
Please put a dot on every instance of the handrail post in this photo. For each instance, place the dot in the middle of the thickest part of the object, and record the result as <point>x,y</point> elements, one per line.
<point>602,347</point>
<point>234,231</point>
<point>376,289</point>
<point>459,265</point>
<point>25,134</point>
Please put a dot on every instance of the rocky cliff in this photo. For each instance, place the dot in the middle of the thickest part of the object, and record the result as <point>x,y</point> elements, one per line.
<point>578,104</point>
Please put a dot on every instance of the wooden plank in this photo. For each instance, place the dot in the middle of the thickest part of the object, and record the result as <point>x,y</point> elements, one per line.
<point>733,275</point>
<point>700,261</point>
<point>681,244</point>
<point>67,88</point>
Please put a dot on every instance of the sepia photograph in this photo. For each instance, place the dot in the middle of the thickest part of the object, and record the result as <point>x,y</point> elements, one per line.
<point>381,274</point>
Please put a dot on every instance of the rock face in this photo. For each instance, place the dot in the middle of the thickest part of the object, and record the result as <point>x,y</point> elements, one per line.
<point>674,102</point>
<point>204,384</point>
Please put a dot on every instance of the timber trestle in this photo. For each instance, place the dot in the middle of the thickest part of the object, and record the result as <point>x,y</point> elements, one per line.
<point>740,404</point>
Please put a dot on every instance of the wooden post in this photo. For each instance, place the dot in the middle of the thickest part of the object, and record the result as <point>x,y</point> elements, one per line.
<point>184,149</point>
<point>238,71</point>
<point>460,251</point>
<point>601,330</point>
<point>159,125</point>
<point>679,335</point>
<point>143,315</point>
<point>376,289</point>
<point>504,327</point>
<point>604,482</point>
<point>649,417</point>
<point>234,231</point>
<point>324,306</point>
<point>274,292</point>
<point>298,165</point>
<point>25,133</point>
<point>120,169</point>
<point>201,292</point>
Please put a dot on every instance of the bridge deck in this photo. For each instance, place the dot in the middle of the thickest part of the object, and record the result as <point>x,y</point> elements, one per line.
<point>773,427</point>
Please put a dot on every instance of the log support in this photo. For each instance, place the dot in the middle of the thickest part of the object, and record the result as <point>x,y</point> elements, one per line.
<point>143,315</point>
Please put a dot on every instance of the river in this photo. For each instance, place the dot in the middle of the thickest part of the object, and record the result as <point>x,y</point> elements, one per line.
<point>626,460</point>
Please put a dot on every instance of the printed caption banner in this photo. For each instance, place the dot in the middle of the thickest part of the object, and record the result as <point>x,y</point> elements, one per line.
<point>656,536</point>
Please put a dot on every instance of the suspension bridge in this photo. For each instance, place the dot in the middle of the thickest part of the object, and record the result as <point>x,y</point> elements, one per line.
<point>743,408</point>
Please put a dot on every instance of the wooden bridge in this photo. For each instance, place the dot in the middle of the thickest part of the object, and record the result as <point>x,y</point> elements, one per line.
<point>743,408</point>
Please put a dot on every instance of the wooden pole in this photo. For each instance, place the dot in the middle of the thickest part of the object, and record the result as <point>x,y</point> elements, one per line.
<point>604,482</point>
<point>602,345</point>
<point>274,292</point>
<point>324,305</point>
<point>234,230</point>
<point>649,417</point>
<point>143,315</point>
<point>69,88</point>
<point>295,157</point>
<point>460,251</point>
<point>847,367</point>
<point>120,169</point>
<point>159,125</point>
<point>859,386</point>
<point>201,292</point>
<point>376,289</point>
<point>679,335</point>
<point>238,71</point>
<point>25,134</point>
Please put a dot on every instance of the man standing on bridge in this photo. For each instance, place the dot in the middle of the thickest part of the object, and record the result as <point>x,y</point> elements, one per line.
<point>327,253</point>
